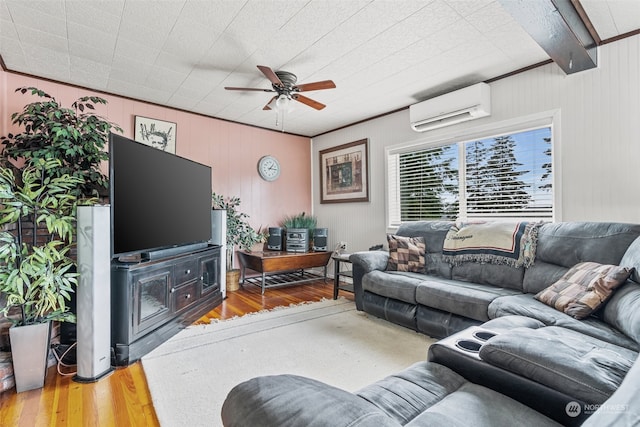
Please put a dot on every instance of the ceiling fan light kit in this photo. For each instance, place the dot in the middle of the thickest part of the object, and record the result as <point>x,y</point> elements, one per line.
<point>283,83</point>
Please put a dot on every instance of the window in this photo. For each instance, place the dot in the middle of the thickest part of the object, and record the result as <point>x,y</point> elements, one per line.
<point>504,176</point>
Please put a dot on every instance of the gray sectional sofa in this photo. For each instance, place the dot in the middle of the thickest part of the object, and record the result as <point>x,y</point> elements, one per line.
<point>506,358</point>
<point>446,298</point>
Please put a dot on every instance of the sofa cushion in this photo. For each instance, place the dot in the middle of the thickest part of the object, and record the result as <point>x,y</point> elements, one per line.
<point>623,407</point>
<point>462,298</point>
<point>622,311</point>
<point>501,276</point>
<point>433,233</point>
<point>406,253</point>
<point>475,405</point>
<point>631,259</point>
<point>393,284</point>
<point>569,243</point>
<point>564,244</point>
<point>584,288</point>
<point>291,400</point>
<point>578,365</point>
<point>406,394</point>
<point>526,305</point>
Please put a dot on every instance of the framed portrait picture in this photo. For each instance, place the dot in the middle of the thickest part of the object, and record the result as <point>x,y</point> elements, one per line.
<point>156,133</point>
<point>344,173</point>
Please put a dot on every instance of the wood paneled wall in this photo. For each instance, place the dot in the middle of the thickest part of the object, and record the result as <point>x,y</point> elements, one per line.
<point>597,150</point>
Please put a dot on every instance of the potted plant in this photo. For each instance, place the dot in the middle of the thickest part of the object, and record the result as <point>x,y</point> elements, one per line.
<point>75,136</point>
<point>37,276</point>
<point>46,169</point>
<point>301,221</point>
<point>239,233</point>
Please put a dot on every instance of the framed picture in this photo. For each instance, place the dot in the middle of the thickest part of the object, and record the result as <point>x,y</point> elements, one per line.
<point>156,133</point>
<point>344,173</point>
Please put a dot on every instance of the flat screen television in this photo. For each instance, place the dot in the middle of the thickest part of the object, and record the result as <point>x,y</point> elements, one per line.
<point>158,200</point>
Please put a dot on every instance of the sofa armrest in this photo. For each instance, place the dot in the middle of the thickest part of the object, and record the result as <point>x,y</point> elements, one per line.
<point>362,263</point>
<point>292,401</point>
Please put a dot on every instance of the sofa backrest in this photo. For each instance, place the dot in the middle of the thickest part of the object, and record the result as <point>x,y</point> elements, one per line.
<point>562,245</point>
<point>622,311</point>
<point>433,233</point>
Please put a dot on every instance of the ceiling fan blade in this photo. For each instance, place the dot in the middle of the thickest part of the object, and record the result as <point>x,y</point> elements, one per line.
<point>266,107</point>
<point>325,84</point>
<point>249,88</point>
<point>308,101</point>
<point>271,75</point>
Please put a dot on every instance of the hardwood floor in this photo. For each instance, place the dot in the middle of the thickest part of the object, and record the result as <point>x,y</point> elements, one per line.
<point>122,398</point>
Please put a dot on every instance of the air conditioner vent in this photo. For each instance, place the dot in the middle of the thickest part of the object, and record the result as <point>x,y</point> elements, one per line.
<point>455,107</point>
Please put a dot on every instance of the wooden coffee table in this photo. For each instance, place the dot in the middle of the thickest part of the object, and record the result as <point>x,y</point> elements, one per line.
<point>279,268</point>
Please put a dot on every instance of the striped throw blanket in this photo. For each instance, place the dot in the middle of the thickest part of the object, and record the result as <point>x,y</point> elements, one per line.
<point>510,243</point>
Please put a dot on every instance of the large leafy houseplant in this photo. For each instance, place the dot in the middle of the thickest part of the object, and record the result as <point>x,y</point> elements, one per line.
<point>239,231</point>
<point>75,136</point>
<point>37,275</point>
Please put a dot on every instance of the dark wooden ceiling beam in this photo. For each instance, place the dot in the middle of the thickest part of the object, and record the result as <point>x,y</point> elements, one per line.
<point>559,29</point>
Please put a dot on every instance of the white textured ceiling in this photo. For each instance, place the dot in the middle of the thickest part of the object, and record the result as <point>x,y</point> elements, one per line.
<point>382,55</point>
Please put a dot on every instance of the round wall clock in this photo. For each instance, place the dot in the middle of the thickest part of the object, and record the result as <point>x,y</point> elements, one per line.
<point>269,168</point>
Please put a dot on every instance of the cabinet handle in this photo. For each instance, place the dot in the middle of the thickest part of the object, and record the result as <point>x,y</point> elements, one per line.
<point>187,296</point>
<point>187,272</point>
<point>173,290</point>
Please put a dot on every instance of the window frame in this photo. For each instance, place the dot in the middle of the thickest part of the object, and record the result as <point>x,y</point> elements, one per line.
<point>549,119</point>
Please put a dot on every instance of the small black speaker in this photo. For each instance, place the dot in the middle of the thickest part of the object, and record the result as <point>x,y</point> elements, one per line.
<point>274,242</point>
<point>320,237</point>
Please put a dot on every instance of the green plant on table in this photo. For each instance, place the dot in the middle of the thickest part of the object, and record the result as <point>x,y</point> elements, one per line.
<point>301,220</point>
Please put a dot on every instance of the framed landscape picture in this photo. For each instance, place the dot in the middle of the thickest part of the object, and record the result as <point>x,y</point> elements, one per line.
<point>344,173</point>
<point>156,133</point>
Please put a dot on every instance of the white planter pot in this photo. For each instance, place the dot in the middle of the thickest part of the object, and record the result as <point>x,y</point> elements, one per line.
<point>29,350</point>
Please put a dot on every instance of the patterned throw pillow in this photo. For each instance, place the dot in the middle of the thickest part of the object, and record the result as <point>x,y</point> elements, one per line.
<point>584,288</point>
<point>406,253</point>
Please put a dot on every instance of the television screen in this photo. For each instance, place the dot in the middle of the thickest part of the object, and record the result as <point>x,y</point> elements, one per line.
<point>158,200</point>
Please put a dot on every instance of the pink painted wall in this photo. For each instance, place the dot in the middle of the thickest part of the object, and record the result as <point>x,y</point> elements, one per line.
<point>232,150</point>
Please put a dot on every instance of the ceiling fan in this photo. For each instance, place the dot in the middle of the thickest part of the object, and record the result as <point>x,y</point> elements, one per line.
<point>283,83</point>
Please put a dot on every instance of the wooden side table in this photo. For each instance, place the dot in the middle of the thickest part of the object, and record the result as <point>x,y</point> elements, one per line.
<point>337,260</point>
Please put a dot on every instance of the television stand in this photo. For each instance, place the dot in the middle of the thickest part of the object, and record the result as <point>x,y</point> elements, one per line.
<point>152,301</point>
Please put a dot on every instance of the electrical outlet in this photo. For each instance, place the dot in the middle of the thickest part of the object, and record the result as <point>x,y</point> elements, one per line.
<point>343,246</point>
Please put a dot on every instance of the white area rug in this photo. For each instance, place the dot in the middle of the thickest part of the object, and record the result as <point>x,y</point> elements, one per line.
<point>190,375</point>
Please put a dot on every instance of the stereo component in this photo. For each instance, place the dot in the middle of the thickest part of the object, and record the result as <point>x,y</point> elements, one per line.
<point>297,240</point>
<point>320,237</point>
<point>274,241</point>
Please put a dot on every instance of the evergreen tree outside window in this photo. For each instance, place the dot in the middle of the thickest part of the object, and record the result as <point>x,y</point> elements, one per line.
<point>505,176</point>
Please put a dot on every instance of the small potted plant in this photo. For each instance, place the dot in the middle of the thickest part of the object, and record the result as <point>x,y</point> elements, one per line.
<point>240,234</point>
<point>301,221</point>
<point>37,276</point>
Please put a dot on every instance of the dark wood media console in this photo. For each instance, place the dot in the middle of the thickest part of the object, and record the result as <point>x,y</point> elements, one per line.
<point>152,301</point>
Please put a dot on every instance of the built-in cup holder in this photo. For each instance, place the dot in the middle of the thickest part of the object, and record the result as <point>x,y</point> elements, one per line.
<point>468,345</point>
<point>483,335</point>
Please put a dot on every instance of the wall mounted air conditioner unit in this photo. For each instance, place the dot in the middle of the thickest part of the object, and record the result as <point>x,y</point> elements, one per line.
<point>459,106</point>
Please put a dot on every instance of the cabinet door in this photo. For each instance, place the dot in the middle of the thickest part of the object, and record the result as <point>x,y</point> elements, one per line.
<point>151,297</point>
<point>210,273</point>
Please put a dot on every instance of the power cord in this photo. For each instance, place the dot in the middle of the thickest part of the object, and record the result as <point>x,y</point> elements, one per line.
<point>60,359</point>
